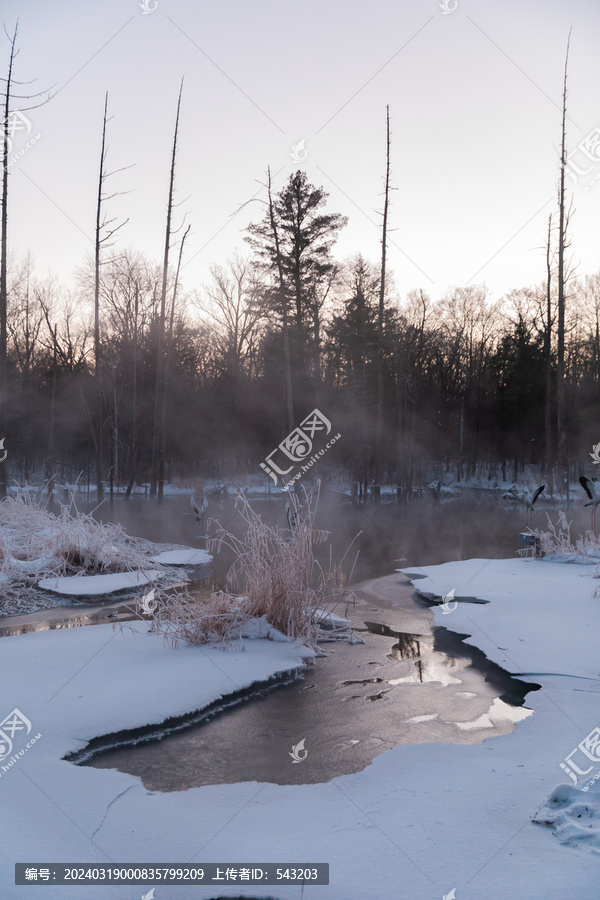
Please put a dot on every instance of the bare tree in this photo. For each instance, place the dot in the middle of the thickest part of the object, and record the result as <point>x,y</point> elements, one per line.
<point>380,316</point>
<point>24,323</point>
<point>8,95</point>
<point>231,300</point>
<point>563,243</point>
<point>103,234</point>
<point>168,354</point>
<point>158,440</point>
<point>548,353</point>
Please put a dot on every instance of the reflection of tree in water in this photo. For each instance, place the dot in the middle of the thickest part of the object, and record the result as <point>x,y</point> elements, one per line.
<point>427,668</point>
<point>429,664</point>
<point>419,665</point>
<point>407,646</point>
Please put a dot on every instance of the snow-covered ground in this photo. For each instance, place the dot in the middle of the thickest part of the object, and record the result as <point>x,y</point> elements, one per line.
<point>186,556</point>
<point>418,822</point>
<point>98,585</point>
<point>46,556</point>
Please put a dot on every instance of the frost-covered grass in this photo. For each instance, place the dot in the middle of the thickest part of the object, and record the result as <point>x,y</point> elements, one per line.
<point>558,543</point>
<point>275,575</point>
<point>35,543</point>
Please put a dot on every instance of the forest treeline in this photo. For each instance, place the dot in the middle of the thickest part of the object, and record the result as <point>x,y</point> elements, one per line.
<point>469,383</point>
<point>131,374</point>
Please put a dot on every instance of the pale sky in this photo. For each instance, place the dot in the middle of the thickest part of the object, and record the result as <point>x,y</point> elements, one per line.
<point>474,96</point>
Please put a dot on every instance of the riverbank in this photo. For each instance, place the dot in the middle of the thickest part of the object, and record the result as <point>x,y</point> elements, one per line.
<point>429,817</point>
<point>399,685</point>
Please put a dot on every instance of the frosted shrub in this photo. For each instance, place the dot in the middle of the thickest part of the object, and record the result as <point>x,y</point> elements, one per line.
<point>557,541</point>
<point>35,543</point>
<point>274,574</point>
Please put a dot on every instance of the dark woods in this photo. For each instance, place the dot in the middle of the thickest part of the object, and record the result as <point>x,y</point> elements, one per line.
<point>465,378</point>
<point>139,376</point>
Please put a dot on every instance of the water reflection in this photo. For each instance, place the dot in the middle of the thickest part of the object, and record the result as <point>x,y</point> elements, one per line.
<point>498,712</point>
<point>346,719</point>
<point>407,645</point>
<point>428,665</point>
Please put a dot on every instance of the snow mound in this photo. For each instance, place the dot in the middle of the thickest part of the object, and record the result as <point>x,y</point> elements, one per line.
<point>259,628</point>
<point>185,556</point>
<point>96,585</point>
<point>330,619</point>
<point>574,815</point>
<point>30,566</point>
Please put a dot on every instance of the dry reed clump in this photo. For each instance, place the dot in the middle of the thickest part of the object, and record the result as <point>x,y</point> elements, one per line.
<point>276,573</point>
<point>196,619</point>
<point>557,541</point>
<point>36,542</point>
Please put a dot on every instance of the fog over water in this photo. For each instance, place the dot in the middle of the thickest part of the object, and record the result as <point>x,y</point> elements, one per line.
<point>391,535</point>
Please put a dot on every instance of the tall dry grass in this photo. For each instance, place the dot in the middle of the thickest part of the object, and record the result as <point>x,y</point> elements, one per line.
<point>275,574</point>
<point>558,542</point>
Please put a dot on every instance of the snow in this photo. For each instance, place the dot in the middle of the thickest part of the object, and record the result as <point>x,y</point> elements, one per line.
<point>546,610</point>
<point>98,585</point>
<point>185,556</point>
<point>31,566</point>
<point>430,817</point>
<point>575,817</point>
<point>259,628</point>
<point>542,619</point>
<point>330,618</point>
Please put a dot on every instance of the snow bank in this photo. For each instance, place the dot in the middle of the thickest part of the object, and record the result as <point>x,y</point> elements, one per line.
<point>97,585</point>
<point>185,556</point>
<point>331,619</point>
<point>259,628</point>
<point>574,815</point>
<point>542,620</point>
<point>95,681</point>
<point>430,817</point>
<point>547,611</point>
<point>42,552</point>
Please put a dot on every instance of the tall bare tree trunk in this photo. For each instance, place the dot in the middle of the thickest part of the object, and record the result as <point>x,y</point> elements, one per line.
<point>380,317</point>
<point>165,392</point>
<point>3,258</point>
<point>134,427</point>
<point>461,438</point>
<point>97,349</point>
<point>114,444</point>
<point>548,355</point>
<point>158,439</point>
<point>560,366</point>
<point>51,450</point>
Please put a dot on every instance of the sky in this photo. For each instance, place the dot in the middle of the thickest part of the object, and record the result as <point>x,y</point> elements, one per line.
<point>474,90</point>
